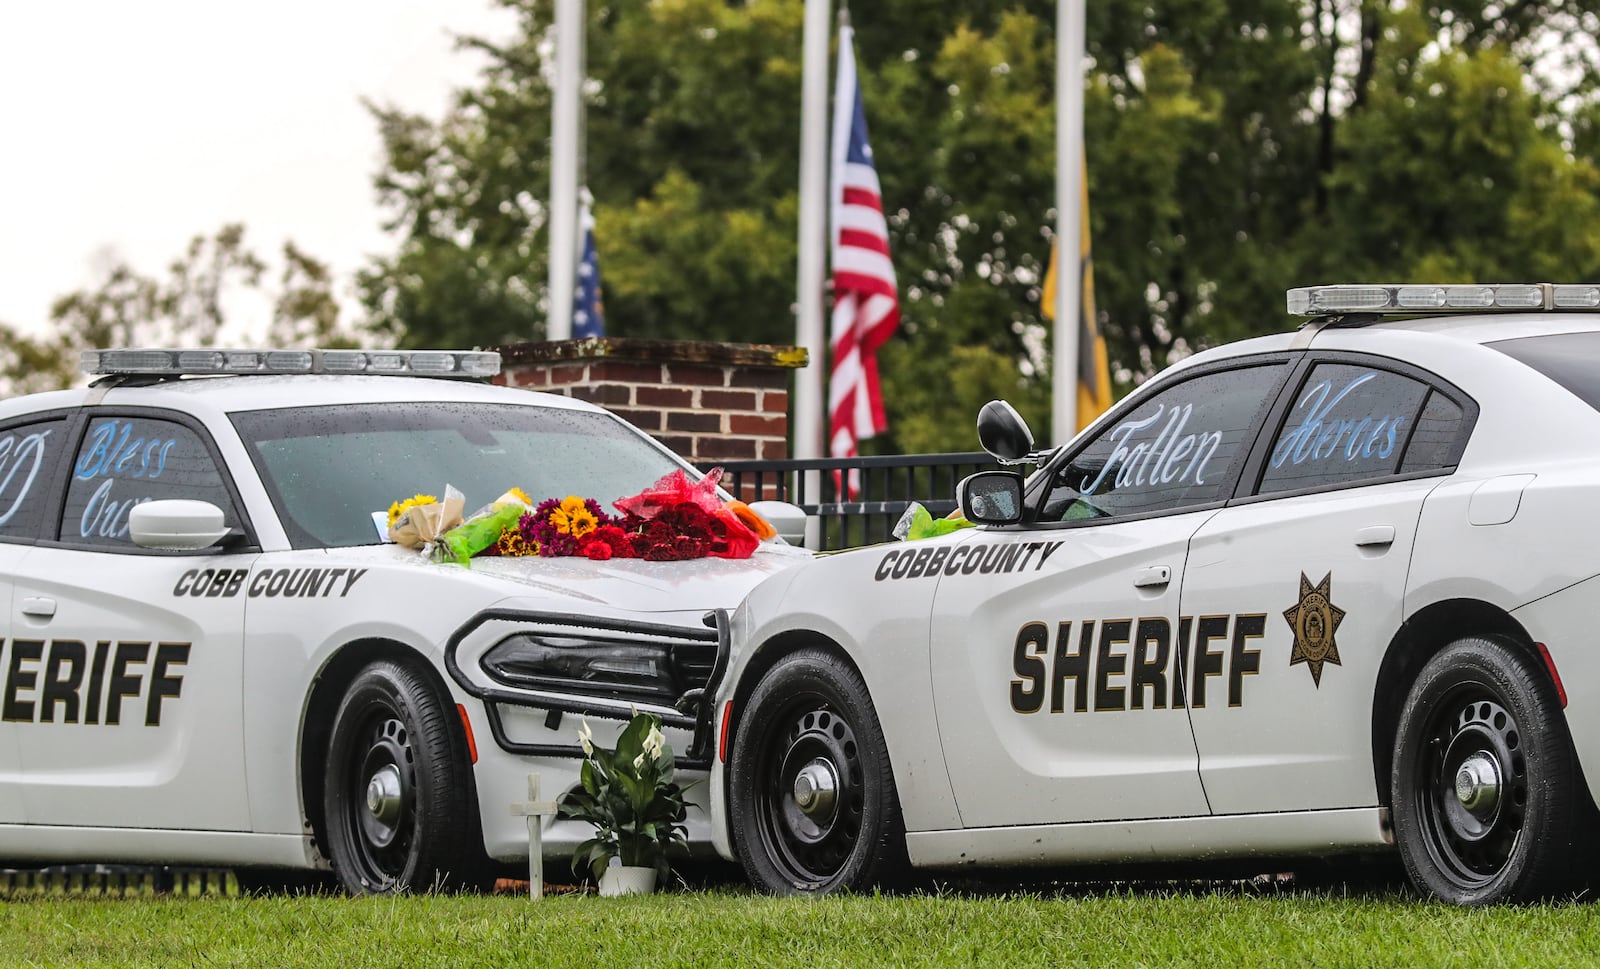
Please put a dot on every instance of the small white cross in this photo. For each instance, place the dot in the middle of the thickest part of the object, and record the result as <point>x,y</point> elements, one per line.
<point>533,809</point>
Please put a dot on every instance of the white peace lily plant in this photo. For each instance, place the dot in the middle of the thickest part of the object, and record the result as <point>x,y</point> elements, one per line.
<point>630,797</point>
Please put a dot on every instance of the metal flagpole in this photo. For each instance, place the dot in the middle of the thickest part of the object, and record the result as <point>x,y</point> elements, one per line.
<point>810,403</point>
<point>565,136</point>
<point>1069,215</point>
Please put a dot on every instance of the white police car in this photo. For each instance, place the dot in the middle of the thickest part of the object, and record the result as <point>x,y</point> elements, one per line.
<point>1332,591</point>
<point>211,656</point>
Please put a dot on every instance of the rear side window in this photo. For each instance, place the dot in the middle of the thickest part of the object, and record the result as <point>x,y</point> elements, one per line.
<point>1349,423</point>
<point>125,461</point>
<point>1436,442</point>
<point>1570,359</point>
<point>27,454</point>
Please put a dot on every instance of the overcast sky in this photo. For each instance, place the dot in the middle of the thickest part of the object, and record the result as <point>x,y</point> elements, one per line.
<point>127,128</point>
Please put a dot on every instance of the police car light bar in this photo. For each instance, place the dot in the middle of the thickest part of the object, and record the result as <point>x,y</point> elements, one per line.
<point>1415,298</point>
<point>209,360</point>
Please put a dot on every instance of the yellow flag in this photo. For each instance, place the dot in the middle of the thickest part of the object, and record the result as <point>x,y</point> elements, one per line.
<point>1094,372</point>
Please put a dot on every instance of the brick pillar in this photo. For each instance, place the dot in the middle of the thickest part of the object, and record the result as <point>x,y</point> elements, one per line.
<point>706,401</point>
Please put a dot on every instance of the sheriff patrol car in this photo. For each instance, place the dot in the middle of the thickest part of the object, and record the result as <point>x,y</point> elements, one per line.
<point>1319,593</point>
<point>212,656</point>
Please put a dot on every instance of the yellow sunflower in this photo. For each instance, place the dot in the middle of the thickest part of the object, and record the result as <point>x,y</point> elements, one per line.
<point>573,517</point>
<point>401,507</point>
<point>512,543</point>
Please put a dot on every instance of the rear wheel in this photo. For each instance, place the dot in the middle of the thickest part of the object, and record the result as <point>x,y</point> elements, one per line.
<point>1487,793</point>
<point>813,797</point>
<point>396,794</point>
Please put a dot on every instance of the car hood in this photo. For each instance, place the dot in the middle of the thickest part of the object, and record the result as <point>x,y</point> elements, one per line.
<point>640,586</point>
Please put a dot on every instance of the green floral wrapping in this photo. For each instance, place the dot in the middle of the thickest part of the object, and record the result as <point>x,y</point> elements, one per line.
<point>477,533</point>
<point>924,525</point>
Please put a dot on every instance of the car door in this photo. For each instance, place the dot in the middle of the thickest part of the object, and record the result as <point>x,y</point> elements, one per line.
<point>1310,567</point>
<point>125,694</point>
<point>29,452</point>
<point>1060,681</point>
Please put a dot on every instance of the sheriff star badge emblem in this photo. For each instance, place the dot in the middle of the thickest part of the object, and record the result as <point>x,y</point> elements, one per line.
<point>1314,621</point>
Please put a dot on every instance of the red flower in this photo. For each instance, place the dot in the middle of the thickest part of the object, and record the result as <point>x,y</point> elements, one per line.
<point>689,547</point>
<point>716,536</point>
<point>691,518</point>
<point>675,531</point>
<point>610,538</point>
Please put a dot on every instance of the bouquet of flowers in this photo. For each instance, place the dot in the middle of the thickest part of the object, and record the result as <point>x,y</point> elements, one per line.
<point>421,519</point>
<point>670,521</point>
<point>482,530</point>
<point>564,527</point>
<point>673,520</point>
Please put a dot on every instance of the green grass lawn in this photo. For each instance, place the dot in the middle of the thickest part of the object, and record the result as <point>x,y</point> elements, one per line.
<point>734,928</point>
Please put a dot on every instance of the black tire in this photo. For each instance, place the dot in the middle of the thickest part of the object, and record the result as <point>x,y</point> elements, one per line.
<point>810,722</point>
<point>1487,790</point>
<point>397,803</point>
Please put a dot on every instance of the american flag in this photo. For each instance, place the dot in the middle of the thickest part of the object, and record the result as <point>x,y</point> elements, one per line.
<point>588,313</point>
<point>866,303</point>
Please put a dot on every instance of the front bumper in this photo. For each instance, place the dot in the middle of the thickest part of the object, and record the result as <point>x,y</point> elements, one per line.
<point>691,710</point>
<point>533,733</point>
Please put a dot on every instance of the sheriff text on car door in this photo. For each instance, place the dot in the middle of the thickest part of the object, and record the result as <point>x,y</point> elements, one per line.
<point>1071,628</point>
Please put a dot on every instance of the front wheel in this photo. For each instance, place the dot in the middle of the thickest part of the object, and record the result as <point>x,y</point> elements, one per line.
<point>1487,792</point>
<point>396,804</point>
<point>814,806</point>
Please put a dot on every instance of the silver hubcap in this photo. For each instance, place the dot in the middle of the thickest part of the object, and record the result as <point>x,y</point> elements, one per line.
<point>383,794</point>
<point>815,788</point>
<point>1478,783</point>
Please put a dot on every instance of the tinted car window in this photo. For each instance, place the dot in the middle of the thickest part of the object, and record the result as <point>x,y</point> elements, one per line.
<point>1348,423</point>
<point>1177,449</point>
<point>1435,443</point>
<point>330,468</point>
<point>126,461</point>
<point>1570,359</point>
<point>26,455</point>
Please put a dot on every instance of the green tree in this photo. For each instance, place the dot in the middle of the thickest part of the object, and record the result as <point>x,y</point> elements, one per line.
<point>305,311</point>
<point>30,365</point>
<point>691,113</point>
<point>189,306</point>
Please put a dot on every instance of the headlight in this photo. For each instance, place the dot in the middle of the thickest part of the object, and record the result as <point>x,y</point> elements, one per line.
<point>587,666</point>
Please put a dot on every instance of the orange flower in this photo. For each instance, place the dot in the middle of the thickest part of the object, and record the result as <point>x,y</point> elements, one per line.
<point>750,519</point>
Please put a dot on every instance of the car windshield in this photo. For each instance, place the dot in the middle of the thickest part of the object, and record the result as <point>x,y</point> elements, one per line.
<point>1570,359</point>
<point>328,469</point>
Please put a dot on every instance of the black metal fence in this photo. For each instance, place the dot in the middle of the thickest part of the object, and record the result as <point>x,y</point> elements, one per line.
<point>886,486</point>
<point>117,880</point>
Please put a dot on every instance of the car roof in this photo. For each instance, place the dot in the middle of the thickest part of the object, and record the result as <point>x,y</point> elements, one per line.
<point>234,394</point>
<point>1491,328</point>
<point>1402,337</point>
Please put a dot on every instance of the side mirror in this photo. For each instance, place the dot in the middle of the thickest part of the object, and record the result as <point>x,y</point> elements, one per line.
<point>176,523</point>
<point>788,519</point>
<point>991,497</point>
<point>1003,432</point>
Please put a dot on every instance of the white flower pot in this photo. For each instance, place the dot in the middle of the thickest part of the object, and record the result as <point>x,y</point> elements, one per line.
<point>627,880</point>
